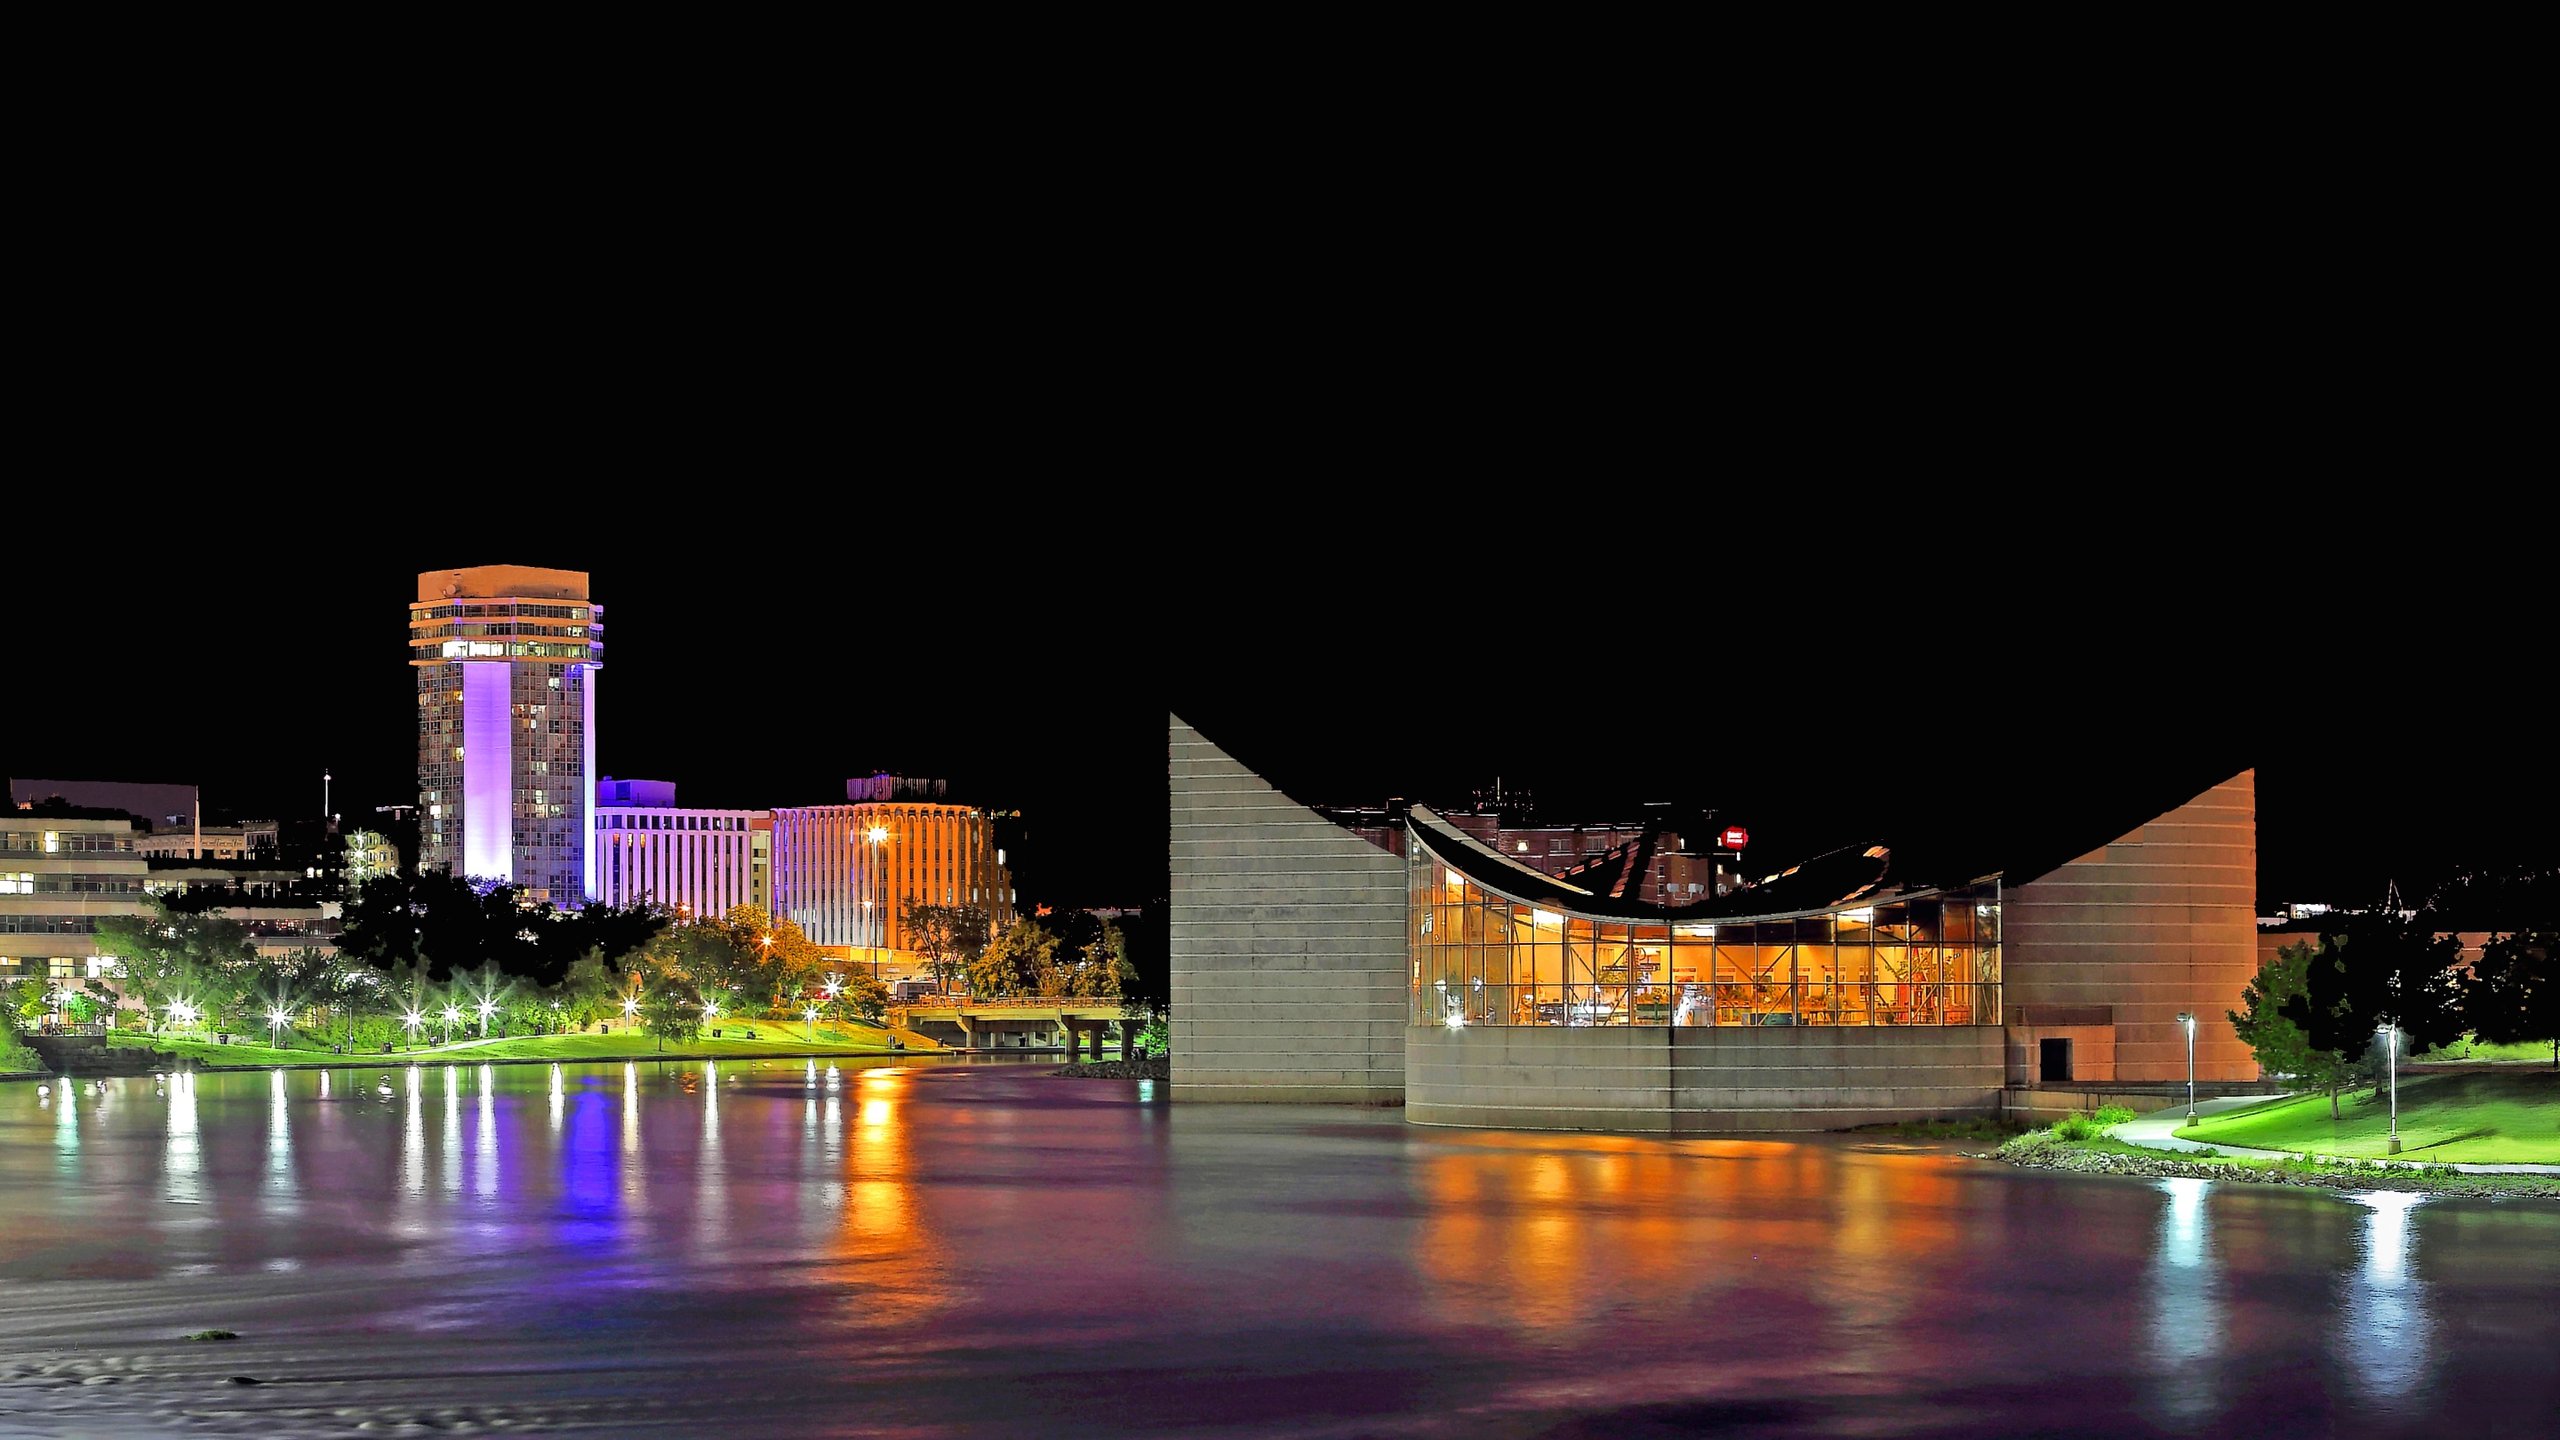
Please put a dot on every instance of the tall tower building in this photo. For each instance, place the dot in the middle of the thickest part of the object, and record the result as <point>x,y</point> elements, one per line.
<point>507,657</point>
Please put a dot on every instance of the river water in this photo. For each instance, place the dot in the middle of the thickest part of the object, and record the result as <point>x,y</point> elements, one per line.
<point>782,1248</point>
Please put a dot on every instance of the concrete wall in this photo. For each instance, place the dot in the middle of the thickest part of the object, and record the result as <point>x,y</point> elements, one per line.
<point>1288,937</point>
<point>1697,1079</point>
<point>2159,921</point>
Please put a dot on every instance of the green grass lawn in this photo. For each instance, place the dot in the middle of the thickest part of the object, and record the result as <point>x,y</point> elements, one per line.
<point>2467,1048</point>
<point>2478,1117</point>
<point>772,1038</point>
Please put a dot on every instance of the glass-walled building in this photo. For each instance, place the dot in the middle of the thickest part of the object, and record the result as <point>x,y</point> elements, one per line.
<point>1487,953</point>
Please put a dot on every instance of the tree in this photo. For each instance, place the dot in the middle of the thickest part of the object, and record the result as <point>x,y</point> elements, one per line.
<point>167,957</point>
<point>2512,995</point>
<point>2279,1043</point>
<point>947,938</point>
<point>2378,971</point>
<point>671,1009</point>
<point>1015,962</point>
<point>783,963</point>
<point>862,994</point>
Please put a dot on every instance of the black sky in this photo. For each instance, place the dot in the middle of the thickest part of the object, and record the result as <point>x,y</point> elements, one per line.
<point>1925,667</point>
<point>1881,533</point>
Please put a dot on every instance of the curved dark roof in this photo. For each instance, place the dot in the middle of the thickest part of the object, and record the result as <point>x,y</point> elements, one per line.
<point>1848,876</point>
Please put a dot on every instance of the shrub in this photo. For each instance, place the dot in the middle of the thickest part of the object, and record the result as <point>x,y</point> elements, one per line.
<point>2076,1127</point>
<point>2109,1117</point>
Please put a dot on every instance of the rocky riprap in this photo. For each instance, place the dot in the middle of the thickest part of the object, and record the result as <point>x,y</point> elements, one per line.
<point>1121,1070</point>
<point>2040,1150</point>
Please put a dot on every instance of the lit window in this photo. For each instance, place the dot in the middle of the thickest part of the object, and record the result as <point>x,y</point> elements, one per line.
<point>1524,847</point>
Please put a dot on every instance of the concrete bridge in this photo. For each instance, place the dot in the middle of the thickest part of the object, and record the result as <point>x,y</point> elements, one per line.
<point>1017,1022</point>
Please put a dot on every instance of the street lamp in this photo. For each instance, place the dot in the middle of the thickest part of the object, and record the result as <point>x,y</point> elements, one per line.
<point>2391,1053</point>
<point>412,1019</point>
<point>630,1007</point>
<point>486,1007</point>
<point>275,1018</point>
<point>879,836</point>
<point>2190,1022</point>
<point>809,1022</point>
<point>451,1014</point>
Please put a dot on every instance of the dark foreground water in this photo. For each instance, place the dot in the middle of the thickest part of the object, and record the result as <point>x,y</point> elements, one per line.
<point>780,1249</point>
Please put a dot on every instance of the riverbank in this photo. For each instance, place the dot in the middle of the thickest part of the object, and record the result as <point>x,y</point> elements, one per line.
<point>2105,1155</point>
<point>787,1043</point>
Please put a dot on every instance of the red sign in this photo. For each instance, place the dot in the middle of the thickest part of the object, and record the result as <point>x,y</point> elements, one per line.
<point>1735,837</point>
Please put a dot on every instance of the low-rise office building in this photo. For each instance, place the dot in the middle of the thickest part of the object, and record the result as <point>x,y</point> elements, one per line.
<point>58,878</point>
<point>846,873</point>
<point>651,851</point>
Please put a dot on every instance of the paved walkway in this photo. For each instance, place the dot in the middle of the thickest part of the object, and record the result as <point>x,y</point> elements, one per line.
<point>2152,1133</point>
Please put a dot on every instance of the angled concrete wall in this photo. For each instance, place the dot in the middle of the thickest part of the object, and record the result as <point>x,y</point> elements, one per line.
<point>2162,920</point>
<point>1288,939</point>
<point>1697,1080</point>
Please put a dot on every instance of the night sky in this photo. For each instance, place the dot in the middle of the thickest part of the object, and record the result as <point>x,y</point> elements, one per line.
<point>1957,682</point>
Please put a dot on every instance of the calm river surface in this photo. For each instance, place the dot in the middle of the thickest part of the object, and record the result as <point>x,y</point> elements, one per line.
<point>782,1249</point>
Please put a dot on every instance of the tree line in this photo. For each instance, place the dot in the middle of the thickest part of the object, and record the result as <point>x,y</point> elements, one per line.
<point>2319,1012</point>
<point>435,956</point>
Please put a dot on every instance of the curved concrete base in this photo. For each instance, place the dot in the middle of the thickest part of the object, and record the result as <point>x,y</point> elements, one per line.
<point>1697,1080</point>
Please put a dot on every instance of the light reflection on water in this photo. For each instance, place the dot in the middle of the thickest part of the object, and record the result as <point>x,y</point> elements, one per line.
<point>959,1240</point>
<point>2389,1323</point>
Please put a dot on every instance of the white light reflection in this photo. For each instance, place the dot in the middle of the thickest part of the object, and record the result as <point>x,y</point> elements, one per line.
<point>2387,1322</point>
<point>831,1142</point>
<point>633,1192</point>
<point>66,1128</point>
<point>711,1194</point>
<point>452,1167</point>
<point>279,1145</point>
<point>2186,1303</point>
<point>559,1101</point>
<point>485,1159</point>
<point>413,1141</point>
<point>182,1156</point>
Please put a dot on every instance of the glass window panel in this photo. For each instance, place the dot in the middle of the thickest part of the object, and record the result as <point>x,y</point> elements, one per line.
<point>1958,923</point>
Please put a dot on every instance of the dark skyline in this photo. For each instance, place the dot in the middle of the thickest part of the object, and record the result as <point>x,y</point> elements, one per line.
<point>2034,684</point>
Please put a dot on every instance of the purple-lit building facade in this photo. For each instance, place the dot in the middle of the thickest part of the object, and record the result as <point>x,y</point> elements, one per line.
<point>506,659</point>
<point>651,851</point>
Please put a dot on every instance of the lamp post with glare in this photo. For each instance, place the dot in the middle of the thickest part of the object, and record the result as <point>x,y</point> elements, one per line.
<point>2189,1021</point>
<point>879,836</point>
<point>2391,1054</point>
<point>452,1014</point>
<point>275,1019</point>
<point>809,1022</point>
<point>411,1020</point>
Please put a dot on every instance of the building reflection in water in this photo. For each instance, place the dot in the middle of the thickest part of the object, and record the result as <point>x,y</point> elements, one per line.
<point>2187,1304</point>
<point>181,1159</point>
<point>1520,1224</point>
<point>2385,1305</point>
<point>890,1263</point>
<point>485,1156</point>
<point>279,1180</point>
